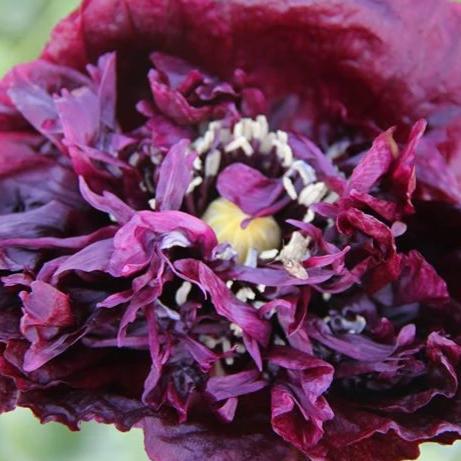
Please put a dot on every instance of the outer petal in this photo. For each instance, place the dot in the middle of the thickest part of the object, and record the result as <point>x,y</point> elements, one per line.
<point>365,68</point>
<point>195,442</point>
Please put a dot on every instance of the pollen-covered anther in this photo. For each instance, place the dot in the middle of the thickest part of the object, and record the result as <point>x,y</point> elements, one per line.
<point>227,220</point>
<point>294,253</point>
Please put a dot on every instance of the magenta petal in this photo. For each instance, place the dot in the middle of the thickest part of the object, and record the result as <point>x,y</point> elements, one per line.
<point>174,177</point>
<point>249,189</point>
<point>224,301</point>
<point>226,387</point>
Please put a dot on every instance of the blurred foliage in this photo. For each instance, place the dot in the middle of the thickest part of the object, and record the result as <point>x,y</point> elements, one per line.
<point>24,29</point>
<point>25,26</point>
<point>22,438</point>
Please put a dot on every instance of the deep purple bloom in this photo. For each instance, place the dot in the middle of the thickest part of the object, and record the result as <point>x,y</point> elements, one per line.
<point>237,226</point>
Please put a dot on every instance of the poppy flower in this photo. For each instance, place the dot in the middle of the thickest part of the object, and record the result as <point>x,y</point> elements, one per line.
<point>237,226</point>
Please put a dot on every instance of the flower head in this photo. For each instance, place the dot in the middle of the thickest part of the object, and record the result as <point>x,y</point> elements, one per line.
<point>236,225</point>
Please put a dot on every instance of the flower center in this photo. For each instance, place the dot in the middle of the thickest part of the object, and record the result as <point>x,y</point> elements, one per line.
<point>227,220</point>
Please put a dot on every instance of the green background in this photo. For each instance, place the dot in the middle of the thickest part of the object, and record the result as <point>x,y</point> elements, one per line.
<point>24,28</point>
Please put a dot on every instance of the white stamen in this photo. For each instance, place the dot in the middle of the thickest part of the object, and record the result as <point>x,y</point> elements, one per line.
<point>289,187</point>
<point>326,296</point>
<point>229,284</point>
<point>240,348</point>
<point>332,197</point>
<point>262,129</point>
<point>236,330</point>
<point>244,294</point>
<point>258,304</point>
<point>212,162</point>
<point>240,143</point>
<point>357,326</point>
<point>251,259</point>
<point>225,135</point>
<point>261,287</point>
<point>133,160</point>
<point>209,341</point>
<point>226,253</point>
<point>247,128</point>
<point>284,153</point>
<point>330,223</point>
<point>296,269</point>
<point>226,345</point>
<point>156,158</point>
<point>282,136</point>
<point>312,193</point>
<point>203,144</point>
<point>238,129</point>
<point>183,293</point>
<point>269,254</point>
<point>197,163</point>
<point>278,341</point>
<point>194,183</point>
<point>112,217</point>
<point>306,172</point>
<point>152,203</point>
<point>337,149</point>
<point>267,143</point>
<point>215,125</point>
<point>309,216</point>
<point>296,248</point>
<point>398,228</point>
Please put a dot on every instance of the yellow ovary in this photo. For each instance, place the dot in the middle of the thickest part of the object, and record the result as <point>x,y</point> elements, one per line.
<point>226,218</point>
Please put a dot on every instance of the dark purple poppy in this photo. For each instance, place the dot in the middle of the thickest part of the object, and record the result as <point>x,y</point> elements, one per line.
<point>236,225</point>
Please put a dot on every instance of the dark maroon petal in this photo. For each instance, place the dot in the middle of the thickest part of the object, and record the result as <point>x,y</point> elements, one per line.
<point>174,105</point>
<point>375,163</point>
<point>298,406</point>
<point>404,173</point>
<point>194,442</point>
<point>8,394</point>
<point>419,282</point>
<point>116,312</point>
<point>368,72</point>
<point>47,313</point>
<point>70,408</point>
<point>22,172</point>
<point>435,178</point>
